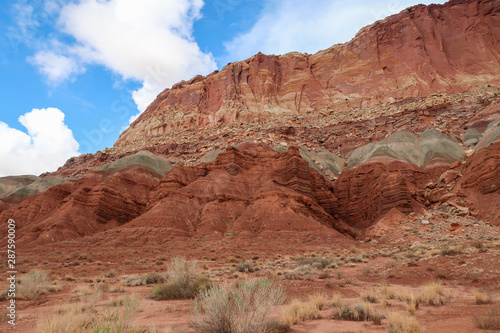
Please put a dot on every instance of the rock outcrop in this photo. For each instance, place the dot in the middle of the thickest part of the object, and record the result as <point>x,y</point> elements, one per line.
<point>402,119</point>
<point>247,191</point>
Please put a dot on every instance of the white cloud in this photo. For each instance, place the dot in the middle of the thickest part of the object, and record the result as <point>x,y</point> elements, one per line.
<point>309,26</point>
<point>47,144</point>
<point>148,41</point>
<point>57,68</point>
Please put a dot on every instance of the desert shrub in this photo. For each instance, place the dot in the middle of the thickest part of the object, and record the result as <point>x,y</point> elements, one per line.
<point>33,284</point>
<point>362,311</point>
<point>180,289</point>
<point>432,293</point>
<point>318,301</point>
<point>356,258</point>
<point>183,281</point>
<point>245,267</point>
<point>75,318</point>
<point>402,323</point>
<point>337,301</point>
<point>370,296</point>
<point>274,326</point>
<point>488,321</point>
<point>239,308</point>
<point>118,318</point>
<point>297,311</point>
<point>481,298</point>
<point>477,244</point>
<point>314,262</point>
<point>449,251</point>
<point>179,270</point>
<point>154,278</point>
<point>133,280</point>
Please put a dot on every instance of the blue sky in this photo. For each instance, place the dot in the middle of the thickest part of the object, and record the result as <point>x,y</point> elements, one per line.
<point>73,74</point>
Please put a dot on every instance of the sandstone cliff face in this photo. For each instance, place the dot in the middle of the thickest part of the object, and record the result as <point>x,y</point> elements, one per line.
<point>481,181</point>
<point>423,50</point>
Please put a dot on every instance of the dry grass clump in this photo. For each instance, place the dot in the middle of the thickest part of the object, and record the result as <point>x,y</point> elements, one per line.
<point>362,311</point>
<point>318,301</point>
<point>135,280</point>
<point>183,281</point>
<point>245,267</point>
<point>315,262</point>
<point>371,296</point>
<point>118,317</point>
<point>402,323</point>
<point>33,284</point>
<point>83,317</point>
<point>297,311</point>
<point>432,293</point>
<point>239,308</point>
<point>337,301</point>
<point>488,321</point>
<point>481,298</point>
<point>76,317</point>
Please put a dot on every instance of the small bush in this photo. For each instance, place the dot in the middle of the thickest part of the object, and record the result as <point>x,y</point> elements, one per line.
<point>448,251</point>
<point>154,278</point>
<point>318,301</point>
<point>362,311</point>
<point>489,321</point>
<point>33,284</point>
<point>239,308</point>
<point>297,311</point>
<point>432,293</point>
<point>314,262</point>
<point>180,270</point>
<point>245,267</point>
<point>337,301</point>
<point>183,282</point>
<point>117,319</point>
<point>370,296</point>
<point>481,298</point>
<point>401,323</point>
<point>274,326</point>
<point>180,289</point>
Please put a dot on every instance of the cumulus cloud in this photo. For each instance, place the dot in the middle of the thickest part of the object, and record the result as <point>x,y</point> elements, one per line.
<point>57,68</point>
<point>47,144</point>
<point>309,26</point>
<point>148,41</point>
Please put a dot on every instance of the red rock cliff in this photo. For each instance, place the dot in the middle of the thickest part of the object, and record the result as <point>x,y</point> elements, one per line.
<point>420,51</point>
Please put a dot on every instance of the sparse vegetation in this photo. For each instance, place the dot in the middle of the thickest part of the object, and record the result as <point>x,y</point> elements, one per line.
<point>481,298</point>
<point>432,293</point>
<point>298,311</point>
<point>33,284</point>
<point>183,283</point>
<point>402,323</point>
<point>245,267</point>
<point>489,321</point>
<point>362,311</point>
<point>240,308</point>
<point>314,262</point>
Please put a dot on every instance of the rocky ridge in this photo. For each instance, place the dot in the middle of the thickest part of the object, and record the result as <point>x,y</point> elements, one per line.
<point>270,147</point>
